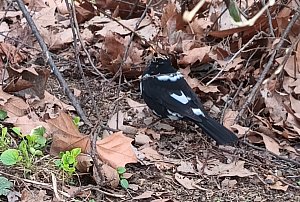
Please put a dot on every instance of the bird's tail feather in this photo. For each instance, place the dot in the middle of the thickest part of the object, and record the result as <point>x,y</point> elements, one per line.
<point>218,132</point>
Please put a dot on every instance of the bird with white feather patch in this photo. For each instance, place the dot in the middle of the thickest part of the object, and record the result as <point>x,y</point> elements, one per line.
<point>168,95</point>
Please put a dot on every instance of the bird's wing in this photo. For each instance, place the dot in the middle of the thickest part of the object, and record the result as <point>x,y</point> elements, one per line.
<point>175,95</point>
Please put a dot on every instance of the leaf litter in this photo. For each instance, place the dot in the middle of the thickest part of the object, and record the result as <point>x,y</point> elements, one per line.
<point>169,154</point>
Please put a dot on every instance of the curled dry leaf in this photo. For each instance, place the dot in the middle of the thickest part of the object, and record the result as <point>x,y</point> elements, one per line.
<point>12,53</point>
<point>111,175</point>
<point>194,55</point>
<point>28,83</point>
<point>84,162</point>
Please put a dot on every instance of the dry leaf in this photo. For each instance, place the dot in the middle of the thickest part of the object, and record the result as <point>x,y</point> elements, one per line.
<point>226,183</point>
<point>116,150</point>
<point>145,195</point>
<point>111,175</point>
<point>186,167</point>
<point>151,154</point>
<point>185,181</point>
<point>231,169</point>
<point>142,139</point>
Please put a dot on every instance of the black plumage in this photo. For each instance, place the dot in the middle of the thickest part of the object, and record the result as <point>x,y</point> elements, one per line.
<point>168,95</point>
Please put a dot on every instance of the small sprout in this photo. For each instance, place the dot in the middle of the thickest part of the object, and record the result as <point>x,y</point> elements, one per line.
<point>123,182</point>
<point>76,121</point>
<point>68,161</point>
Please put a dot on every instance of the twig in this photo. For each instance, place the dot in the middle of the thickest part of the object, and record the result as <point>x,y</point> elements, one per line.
<point>233,57</point>
<point>51,63</point>
<point>269,19</point>
<point>74,25</point>
<point>127,51</point>
<point>107,193</point>
<point>273,154</point>
<point>93,137</point>
<point>35,182</point>
<point>54,186</point>
<point>287,183</point>
<point>268,66</point>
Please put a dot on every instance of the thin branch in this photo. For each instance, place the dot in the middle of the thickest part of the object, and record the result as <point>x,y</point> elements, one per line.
<point>268,66</point>
<point>51,63</point>
<point>127,52</point>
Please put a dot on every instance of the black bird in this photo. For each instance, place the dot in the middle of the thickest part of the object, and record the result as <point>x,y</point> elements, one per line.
<point>168,95</point>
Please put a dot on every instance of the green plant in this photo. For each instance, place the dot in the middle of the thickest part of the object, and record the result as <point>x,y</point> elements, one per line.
<point>67,161</point>
<point>123,182</point>
<point>29,147</point>
<point>76,121</point>
<point>5,185</point>
<point>10,157</point>
<point>3,138</point>
<point>3,115</point>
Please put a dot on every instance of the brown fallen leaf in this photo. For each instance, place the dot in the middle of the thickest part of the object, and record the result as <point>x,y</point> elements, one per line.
<point>151,154</point>
<point>145,195</point>
<point>186,167</point>
<point>27,124</point>
<point>187,182</point>
<point>115,150</point>
<point>15,107</point>
<point>279,186</point>
<point>110,174</point>
<point>84,162</point>
<point>28,83</point>
<point>227,183</point>
<point>231,169</point>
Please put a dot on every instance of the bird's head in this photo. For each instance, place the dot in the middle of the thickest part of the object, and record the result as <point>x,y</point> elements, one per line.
<point>160,65</point>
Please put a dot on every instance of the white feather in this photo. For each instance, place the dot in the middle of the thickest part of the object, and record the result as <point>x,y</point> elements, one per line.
<point>181,98</point>
<point>198,112</point>
<point>172,77</point>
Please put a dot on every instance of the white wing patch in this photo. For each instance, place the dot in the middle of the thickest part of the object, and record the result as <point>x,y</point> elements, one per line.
<point>173,115</point>
<point>181,98</point>
<point>172,77</point>
<point>198,112</point>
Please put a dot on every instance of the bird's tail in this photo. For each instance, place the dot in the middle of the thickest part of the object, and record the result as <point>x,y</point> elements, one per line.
<point>218,132</point>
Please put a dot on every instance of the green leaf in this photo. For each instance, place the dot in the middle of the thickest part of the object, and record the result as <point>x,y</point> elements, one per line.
<point>3,132</point>
<point>17,130</point>
<point>121,170</point>
<point>39,131</point>
<point>75,152</point>
<point>3,115</point>
<point>124,183</point>
<point>298,183</point>
<point>10,157</point>
<point>5,185</point>
<point>76,120</point>
<point>234,11</point>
